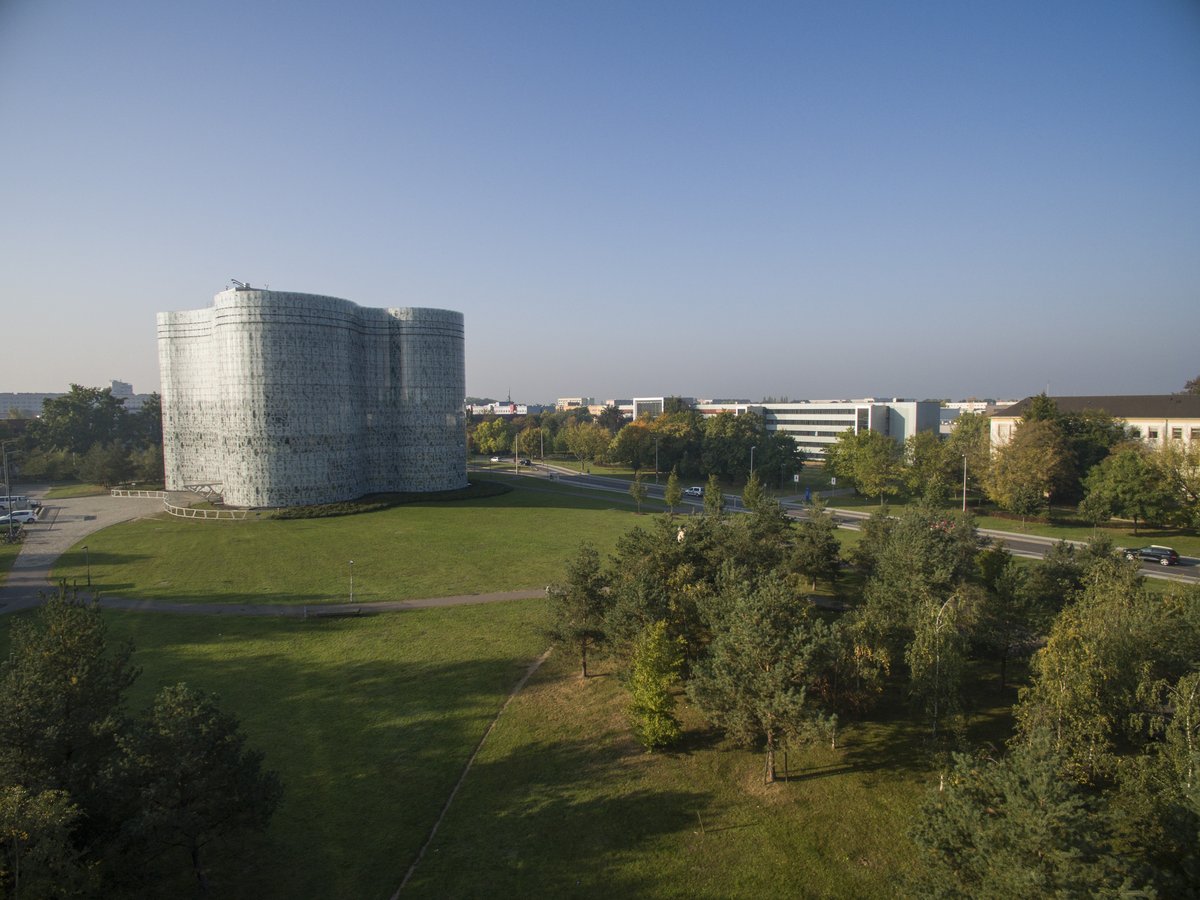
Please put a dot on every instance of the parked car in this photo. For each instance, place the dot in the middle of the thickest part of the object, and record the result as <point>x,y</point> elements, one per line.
<point>695,491</point>
<point>495,459</point>
<point>1164,556</point>
<point>527,462</point>
<point>21,516</point>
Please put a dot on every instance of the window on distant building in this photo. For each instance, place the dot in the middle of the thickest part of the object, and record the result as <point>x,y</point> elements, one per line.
<point>1152,434</point>
<point>1195,434</point>
<point>1177,434</point>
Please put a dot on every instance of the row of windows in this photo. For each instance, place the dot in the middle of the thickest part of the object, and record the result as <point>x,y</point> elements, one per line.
<point>1176,434</point>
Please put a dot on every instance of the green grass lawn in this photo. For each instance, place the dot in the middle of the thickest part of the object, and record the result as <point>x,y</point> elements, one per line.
<point>8,553</point>
<point>368,720</point>
<point>1121,533</point>
<point>66,491</point>
<point>562,802</point>
<point>515,541</point>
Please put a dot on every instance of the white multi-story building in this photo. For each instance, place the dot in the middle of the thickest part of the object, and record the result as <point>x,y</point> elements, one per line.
<point>815,424</point>
<point>283,399</point>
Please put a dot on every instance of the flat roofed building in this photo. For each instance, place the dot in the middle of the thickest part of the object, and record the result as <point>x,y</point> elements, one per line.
<point>814,425</point>
<point>1158,418</point>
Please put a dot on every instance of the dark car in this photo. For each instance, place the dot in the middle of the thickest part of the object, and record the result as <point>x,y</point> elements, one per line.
<point>527,462</point>
<point>1164,556</point>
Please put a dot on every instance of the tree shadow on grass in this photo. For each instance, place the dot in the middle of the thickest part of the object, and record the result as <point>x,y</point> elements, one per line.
<point>368,749</point>
<point>554,818</point>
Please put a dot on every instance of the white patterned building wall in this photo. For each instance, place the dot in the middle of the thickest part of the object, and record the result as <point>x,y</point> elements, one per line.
<point>288,399</point>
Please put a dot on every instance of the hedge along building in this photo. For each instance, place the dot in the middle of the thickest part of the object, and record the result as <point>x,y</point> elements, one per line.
<point>284,399</point>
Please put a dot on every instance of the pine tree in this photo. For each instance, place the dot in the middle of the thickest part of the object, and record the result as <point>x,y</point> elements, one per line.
<point>656,663</point>
<point>578,606</point>
<point>1012,827</point>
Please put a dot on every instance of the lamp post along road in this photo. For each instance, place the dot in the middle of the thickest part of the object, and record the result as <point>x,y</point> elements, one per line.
<point>87,558</point>
<point>964,509</point>
<point>752,449</point>
<point>351,581</point>
<point>656,459</point>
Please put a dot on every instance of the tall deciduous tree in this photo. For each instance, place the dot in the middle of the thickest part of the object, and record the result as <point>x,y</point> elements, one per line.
<point>633,446</point>
<point>1089,679</point>
<point>871,460</point>
<point>579,604</point>
<point>1179,463</point>
<point>1131,486</point>
<point>970,438</point>
<point>493,436</point>
<point>937,654</point>
<point>587,441</point>
<point>1028,467</point>
<point>80,418</point>
<point>931,470</point>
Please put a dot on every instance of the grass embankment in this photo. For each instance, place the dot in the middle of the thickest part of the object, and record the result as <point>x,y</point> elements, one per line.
<point>368,720</point>
<point>511,542</point>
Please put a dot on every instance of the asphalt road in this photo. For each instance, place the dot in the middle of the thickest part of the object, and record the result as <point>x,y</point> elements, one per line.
<point>1029,546</point>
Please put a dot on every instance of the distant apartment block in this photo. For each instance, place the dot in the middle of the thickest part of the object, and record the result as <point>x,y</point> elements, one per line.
<point>1158,418</point>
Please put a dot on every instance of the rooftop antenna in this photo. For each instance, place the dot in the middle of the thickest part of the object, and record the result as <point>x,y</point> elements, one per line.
<point>241,285</point>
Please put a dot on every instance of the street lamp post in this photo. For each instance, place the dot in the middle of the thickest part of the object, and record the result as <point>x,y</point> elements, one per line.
<point>964,509</point>
<point>7,490</point>
<point>656,459</point>
<point>752,449</point>
<point>87,558</point>
<point>351,581</point>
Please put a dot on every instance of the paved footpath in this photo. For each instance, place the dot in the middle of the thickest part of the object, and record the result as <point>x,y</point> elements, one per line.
<point>64,523</point>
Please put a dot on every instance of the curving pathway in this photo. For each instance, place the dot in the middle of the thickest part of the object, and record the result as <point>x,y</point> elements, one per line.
<point>64,523</point>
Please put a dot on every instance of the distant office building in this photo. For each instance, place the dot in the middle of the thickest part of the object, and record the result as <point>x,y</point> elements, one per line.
<point>283,399</point>
<point>498,408</point>
<point>1158,418</point>
<point>814,425</point>
<point>573,402</point>
<point>951,410</point>
<point>29,404</point>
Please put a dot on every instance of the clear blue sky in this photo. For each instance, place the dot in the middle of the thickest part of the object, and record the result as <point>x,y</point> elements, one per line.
<point>623,198</point>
